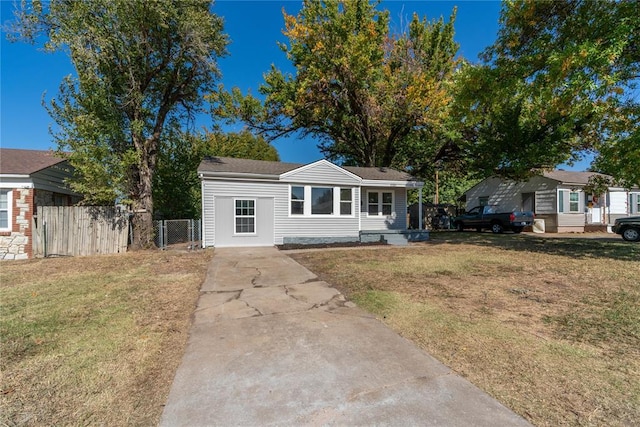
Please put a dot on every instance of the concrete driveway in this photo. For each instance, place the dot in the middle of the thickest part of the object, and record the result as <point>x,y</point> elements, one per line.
<point>273,345</point>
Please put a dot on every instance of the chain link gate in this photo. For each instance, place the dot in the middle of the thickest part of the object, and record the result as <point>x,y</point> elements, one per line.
<point>178,234</point>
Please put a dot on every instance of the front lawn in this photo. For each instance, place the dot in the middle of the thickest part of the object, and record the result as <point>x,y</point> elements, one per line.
<point>94,340</point>
<point>548,326</point>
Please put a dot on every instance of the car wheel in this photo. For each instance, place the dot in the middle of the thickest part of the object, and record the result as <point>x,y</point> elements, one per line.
<point>459,226</point>
<point>631,234</point>
<point>517,229</point>
<point>497,228</point>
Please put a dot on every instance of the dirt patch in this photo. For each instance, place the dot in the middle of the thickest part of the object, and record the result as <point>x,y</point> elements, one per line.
<point>550,327</point>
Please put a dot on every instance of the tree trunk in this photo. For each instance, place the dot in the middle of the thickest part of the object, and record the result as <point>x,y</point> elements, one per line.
<point>142,221</point>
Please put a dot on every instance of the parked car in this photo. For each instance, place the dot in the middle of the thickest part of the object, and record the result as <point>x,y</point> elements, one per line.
<point>628,227</point>
<point>488,217</point>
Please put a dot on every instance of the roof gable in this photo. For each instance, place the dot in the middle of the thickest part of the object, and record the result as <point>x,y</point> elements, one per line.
<point>321,171</point>
<point>26,162</point>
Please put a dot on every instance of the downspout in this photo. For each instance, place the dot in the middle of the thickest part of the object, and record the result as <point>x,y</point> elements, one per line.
<point>202,214</point>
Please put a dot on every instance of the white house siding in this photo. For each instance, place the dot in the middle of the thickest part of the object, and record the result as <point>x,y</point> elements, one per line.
<point>618,206</point>
<point>321,173</point>
<point>396,221</point>
<point>285,225</point>
<point>230,188</point>
<point>507,195</point>
<point>225,225</point>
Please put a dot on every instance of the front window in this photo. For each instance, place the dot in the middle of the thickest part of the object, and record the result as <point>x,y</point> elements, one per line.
<point>297,200</point>
<point>380,203</point>
<point>245,216</point>
<point>568,201</point>
<point>373,203</point>
<point>346,201</point>
<point>5,206</point>
<point>574,202</point>
<point>321,201</point>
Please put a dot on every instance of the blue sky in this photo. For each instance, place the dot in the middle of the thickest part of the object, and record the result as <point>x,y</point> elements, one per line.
<point>254,27</point>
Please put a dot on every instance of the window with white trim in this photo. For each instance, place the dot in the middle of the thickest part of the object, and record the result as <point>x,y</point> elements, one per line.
<point>568,201</point>
<point>380,202</point>
<point>297,200</point>
<point>245,216</point>
<point>319,201</point>
<point>5,210</point>
<point>634,203</point>
<point>346,201</point>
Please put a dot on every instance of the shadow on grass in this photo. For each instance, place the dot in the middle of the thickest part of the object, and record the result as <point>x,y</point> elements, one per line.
<point>576,247</point>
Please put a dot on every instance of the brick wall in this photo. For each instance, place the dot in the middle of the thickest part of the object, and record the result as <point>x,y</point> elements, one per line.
<point>17,244</point>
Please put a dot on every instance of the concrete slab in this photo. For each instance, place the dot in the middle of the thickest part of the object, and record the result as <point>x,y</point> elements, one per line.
<point>306,357</point>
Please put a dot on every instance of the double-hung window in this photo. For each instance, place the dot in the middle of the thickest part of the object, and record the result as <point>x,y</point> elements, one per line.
<point>245,216</point>
<point>5,210</point>
<point>297,200</point>
<point>346,201</point>
<point>568,201</point>
<point>380,202</point>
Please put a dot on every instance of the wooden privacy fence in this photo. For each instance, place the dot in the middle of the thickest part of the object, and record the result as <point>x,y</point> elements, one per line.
<point>80,230</point>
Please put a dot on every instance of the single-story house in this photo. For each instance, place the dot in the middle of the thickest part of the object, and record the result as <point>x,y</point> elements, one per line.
<point>28,179</point>
<point>264,203</point>
<point>558,199</point>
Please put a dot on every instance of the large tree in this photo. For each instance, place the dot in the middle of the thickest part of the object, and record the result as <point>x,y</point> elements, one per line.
<point>176,188</point>
<point>364,92</point>
<point>560,80</point>
<point>142,67</point>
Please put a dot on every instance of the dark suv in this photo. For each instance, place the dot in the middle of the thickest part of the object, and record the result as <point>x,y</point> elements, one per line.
<point>628,227</point>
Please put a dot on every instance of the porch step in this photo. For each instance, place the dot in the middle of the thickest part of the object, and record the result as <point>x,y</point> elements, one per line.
<point>394,237</point>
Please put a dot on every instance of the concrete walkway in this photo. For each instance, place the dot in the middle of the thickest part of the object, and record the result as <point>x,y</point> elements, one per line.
<point>273,345</point>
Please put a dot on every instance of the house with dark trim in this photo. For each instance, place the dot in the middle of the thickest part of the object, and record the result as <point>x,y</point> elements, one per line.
<point>263,203</point>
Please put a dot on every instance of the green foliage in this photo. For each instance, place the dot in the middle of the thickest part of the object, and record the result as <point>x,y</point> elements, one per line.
<point>559,80</point>
<point>141,67</point>
<point>366,94</point>
<point>176,186</point>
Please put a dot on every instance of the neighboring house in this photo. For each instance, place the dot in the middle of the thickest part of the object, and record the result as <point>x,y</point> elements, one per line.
<point>559,199</point>
<point>262,203</point>
<point>28,179</point>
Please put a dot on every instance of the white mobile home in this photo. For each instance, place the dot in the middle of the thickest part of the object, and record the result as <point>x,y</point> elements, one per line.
<point>262,203</point>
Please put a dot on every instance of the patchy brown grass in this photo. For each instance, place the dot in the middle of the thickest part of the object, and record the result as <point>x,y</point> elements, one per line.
<point>550,327</point>
<point>94,340</point>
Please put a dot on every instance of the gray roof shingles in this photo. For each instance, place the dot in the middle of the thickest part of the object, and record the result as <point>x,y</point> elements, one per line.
<point>572,177</point>
<point>262,167</point>
<point>26,162</point>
